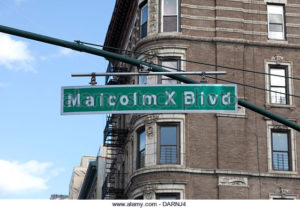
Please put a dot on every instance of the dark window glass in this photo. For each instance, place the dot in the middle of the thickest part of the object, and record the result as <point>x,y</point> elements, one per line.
<point>280,150</point>
<point>169,144</point>
<point>170,23</point>
<point>167,196</point>
<point>141,148</point>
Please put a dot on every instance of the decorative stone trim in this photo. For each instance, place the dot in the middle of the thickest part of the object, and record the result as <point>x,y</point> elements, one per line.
<point>241,113</point>
<point>180,169</point>
<point>180,37</point>
<point>233,181</point>
<point>282,193</point>
<point>276,1</point>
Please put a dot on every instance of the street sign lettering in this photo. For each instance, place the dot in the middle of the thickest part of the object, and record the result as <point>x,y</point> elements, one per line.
<point>127,99</point>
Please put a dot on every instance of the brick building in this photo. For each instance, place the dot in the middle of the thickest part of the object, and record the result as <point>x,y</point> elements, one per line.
<point>208,156</point>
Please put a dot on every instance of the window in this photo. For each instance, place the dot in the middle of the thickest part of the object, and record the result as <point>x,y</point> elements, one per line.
<point>141,144</point>
<point>170,17</point>
<point>169,143</point>
<point>142,79</point>
<point>278,85</point>
<point>276,25</point>
<point>167,196</point>
<point>170,64</point>
<point>281,150</point>
<point>144,20</point>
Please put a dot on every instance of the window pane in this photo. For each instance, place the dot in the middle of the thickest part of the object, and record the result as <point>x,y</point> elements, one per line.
<point>168,135</point>
<point>275,18</point>
<point>280,141</point>
<point>280,161</point>
<point>144,30</point>
<point>170,7</point>
<point>168,154</point>
<point>167,196</point>
<point>276,28</point>
<point>144,16</point>
<point>144,21</point>
<point>172,64</point>
<point>142,159</point>
<point>170,23</point>
<point>142,138</point>
<point>275,9</point>
<point>142,79</point>
<point>277,98</point>
<point>275,80</point>
<point>276,35</point>
<point>168,81</point>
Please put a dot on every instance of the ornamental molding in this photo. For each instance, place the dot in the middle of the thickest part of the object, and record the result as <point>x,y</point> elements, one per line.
<point>278,59</point>
<point>233,181</point>
<point>151,119</point>
<point>149,192</point>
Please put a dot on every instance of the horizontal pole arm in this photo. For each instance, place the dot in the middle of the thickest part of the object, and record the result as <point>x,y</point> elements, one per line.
<point>151,73</point>
<point>135,62</point>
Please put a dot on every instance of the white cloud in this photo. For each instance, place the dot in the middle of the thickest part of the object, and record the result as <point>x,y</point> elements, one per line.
<point>60,53</point>
<point>3,85</point>
<point>15,55</point>
<point>65,51</point>
<point>18,178</point>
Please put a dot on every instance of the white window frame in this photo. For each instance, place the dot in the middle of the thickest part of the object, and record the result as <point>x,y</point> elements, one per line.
<point>290,89</point>
<point>162,16</point>
<point>293,152</point>
<point>272,34</point>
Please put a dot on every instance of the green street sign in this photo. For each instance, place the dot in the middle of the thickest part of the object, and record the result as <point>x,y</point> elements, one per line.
<point>127,99</point>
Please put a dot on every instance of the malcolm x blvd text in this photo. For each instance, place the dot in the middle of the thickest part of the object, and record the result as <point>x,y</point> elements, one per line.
<point>149,99</point>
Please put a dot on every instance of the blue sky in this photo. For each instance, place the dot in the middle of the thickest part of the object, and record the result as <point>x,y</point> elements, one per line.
<point>39,147</point>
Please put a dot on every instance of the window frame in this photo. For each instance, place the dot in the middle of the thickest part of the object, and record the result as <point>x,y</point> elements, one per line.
<point>289,154</point>
<point>169,59</point>
<point>138,161</point>
<point>287,90</point>
<point>178,146</point>
<point>142,6</point>
<point>283,22</point>
<point>162,15</point>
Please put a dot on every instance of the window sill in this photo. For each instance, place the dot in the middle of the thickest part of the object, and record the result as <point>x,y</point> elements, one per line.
<point>288,106</point>
<point>283,172</point>
<point>278,41</point>
<point>232,115</point>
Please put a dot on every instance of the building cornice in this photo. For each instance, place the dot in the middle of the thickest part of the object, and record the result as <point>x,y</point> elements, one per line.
<point>180,37</point>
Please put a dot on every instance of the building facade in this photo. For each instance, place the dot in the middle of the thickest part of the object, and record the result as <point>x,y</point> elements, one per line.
<point>78,176</point>
<point>208,156</point>
<point>91,187</point>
